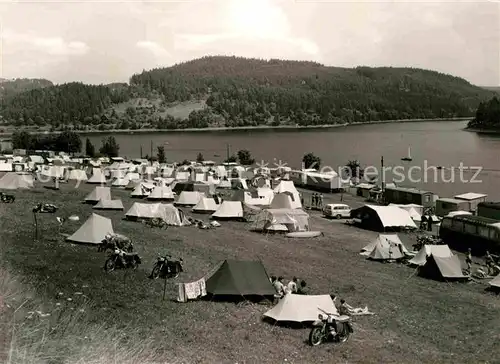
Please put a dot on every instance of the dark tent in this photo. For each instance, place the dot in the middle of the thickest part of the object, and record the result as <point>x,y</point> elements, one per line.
<point>240,278</point>
<point>441,268</point>
<point>192,186</point>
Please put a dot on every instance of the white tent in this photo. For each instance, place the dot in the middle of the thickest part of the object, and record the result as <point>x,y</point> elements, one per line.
<point>109,205</point>
<point>281,201</point>
<point>441,251</point>
<point>6,167</point>
<point>286,220</point>
<point>301,308</point>
<point>392,216</point>
<point>167,212</point>
<point>77,175</point>
<point>189,198</point>
<point>99,193</point>
<point>229,210</point>
<point>384,240</point>
<point>289,188</point>
<point>93,230</point>
<point>132,184</point>
<point>97,177</point>
<point>224,183</point>
<point>206,205</point>
<point>161,193</point>
<point>266,195</point>
<point>143,189</point>
<point>14,181</point>
<point>120,182</point>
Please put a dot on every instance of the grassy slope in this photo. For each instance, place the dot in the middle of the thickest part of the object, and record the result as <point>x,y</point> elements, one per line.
<point>179,110</point>
<point>417,321</point>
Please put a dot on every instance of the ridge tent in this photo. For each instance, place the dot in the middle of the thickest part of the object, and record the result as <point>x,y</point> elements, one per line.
<point>14,181</point>
<point>132,184</point>
<point>206,205</point>
<point>286,186</point>
<point>93,230</point>
<point>285,220</point>
<point>207,189</point>
<point>240,278</point>
<point>281,201</point>
<point>77,175</point>
<point>384,250</point>
<point>167,212</point>
<point>99,193</point>
<point>439,268</point>
<point>189,198</point>
<point>120,182</point>
<point>229,210</point>
<point>161,193</point>
<point>266,195</point>
<point>143,189</point>
<point>97,177</point>
<point>380,218</point>
<point>385,239</point>
<point>301,308</point>
<point>442,251</point>
<point>108,205</point>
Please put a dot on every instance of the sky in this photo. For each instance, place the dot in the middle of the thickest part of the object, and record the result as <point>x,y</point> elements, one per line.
<point>108,41</point>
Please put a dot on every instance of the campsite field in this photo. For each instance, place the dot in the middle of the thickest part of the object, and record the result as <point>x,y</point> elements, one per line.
<point>417,320</point>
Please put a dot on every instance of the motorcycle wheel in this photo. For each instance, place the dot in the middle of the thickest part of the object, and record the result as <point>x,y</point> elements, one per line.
<point>156,272</point>
<point>109,265</point>
<point>343,338</point>
<point>316,336</point>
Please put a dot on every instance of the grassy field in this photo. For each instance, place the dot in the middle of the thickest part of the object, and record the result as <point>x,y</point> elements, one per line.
<point>416,321</point>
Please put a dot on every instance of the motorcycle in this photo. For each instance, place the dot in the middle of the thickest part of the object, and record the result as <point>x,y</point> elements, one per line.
<point>330,327</point>
<point>130,260</point>
<point>166,268</point>
<point>5,198</point>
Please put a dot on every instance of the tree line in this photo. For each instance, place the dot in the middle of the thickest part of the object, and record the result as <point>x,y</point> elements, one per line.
<point>248,92</point>
<point>487,115</point>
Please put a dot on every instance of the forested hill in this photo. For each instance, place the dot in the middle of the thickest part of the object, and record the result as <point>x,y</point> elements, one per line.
<point>15,86</point>
<point>232,91</point>
<point>487,116</point>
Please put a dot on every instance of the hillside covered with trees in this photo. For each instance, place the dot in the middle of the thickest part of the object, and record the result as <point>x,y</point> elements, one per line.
<point>487,116</point>
<point>248,92</point>
<point>9,88</point>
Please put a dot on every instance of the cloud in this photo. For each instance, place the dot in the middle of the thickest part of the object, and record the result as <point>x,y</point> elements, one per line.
<point>54,46</point>
<point>153,47</point>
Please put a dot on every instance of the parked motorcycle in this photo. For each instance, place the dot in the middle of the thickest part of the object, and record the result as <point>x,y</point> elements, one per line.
<point>330,327</point>
<point>5,198</point>
<point>130,260</point>
<point>167,268</point>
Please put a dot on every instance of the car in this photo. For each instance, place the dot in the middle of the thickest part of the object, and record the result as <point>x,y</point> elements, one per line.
<point>337,210</point>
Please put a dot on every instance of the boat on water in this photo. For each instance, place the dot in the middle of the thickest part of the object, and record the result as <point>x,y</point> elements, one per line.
<point>408,158</point>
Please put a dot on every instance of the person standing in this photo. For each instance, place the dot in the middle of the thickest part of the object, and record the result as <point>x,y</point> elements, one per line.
<point>468,260</point>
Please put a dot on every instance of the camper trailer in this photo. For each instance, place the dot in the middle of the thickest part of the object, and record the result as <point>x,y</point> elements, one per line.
<point>472,199</point>
<point>407,195</point>
<point>490,210</point>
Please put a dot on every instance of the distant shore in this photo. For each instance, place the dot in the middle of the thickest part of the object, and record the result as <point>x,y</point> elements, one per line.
<point>260,127</point>
<point>483,131</point>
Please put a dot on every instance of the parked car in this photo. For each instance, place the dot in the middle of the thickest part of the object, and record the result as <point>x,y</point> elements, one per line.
<point>337,210</point>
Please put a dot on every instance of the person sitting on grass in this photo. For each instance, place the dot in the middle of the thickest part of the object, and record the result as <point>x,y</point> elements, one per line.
<point>348,310</point>
<point>279,287</point>
<point>302,289</point>
<point>292,285</point>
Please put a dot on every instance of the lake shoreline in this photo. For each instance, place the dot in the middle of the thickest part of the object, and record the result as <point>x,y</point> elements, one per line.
<point>483,131</point>
<point>242,128</point>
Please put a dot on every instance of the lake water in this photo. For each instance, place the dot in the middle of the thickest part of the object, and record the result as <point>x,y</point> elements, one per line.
<point>432,144</point>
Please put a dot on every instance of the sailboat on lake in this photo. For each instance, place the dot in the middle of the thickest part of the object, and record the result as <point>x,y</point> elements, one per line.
<point>408,158</point>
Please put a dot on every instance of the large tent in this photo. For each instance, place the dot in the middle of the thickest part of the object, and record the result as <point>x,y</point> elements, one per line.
<point>440,268</point>
<point>441,251</point>
<point>229,210</point>
<point>99,193</point>
<point>14,181</point>
<point>285,220</point>
<point>109,205</point>
<point>206,205</point>
<point>167,212</point>
<point>301,308</point>
<point>93,230</point>
<point>161,193</point>
<point>189,198</point>
<point>240,278</point>
<point>381,218</point>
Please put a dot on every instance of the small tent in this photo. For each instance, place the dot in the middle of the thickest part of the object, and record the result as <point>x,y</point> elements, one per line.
<point>440,268</point>
<point>281,220</point>
<point>167,212</point>
<point>161,193</point>
<point>77,175</point>
<point>132,184</point>
<point>109,205</point>
<point>93,230</point>
<point>120,182</point>
<point>385,247</point>
<point>281,201</point>
<point>240,278</point>
<point>14,181</point>
<point>229,210</point>
<point>384,239</point>
<point>97,177</point>
<point>189,198</point>
<point>206,205</point>
<point>99,193</point>
<point>143,189</point>
<point>301,308</point>
<point>442,251</point>
<point>495,283</point>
